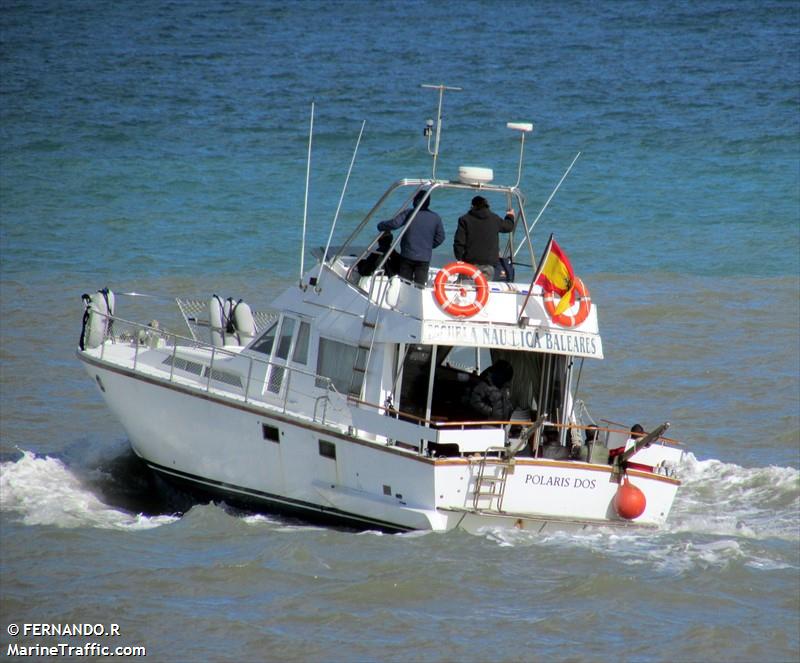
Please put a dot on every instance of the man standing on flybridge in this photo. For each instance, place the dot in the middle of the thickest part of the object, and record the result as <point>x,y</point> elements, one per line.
<point>425,233</point>
<point>476,240</point>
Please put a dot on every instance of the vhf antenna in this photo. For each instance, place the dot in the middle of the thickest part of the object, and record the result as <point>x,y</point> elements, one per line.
<point>523,128</point>
<point>429,124</point>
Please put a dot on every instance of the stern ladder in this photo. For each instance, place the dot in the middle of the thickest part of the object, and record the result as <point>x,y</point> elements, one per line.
<point>491,486</point>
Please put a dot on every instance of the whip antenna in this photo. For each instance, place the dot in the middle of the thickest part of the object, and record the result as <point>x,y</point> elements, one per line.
<point>339,206</point>
<point>547,202</point>
<point>523,128</point>
<point>305,201</point>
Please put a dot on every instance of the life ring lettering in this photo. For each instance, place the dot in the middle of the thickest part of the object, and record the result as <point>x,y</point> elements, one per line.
<point>565,319</point>
<point>449,303</point>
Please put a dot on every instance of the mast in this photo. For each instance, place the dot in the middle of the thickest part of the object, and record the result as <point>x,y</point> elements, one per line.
<point>429,124</point>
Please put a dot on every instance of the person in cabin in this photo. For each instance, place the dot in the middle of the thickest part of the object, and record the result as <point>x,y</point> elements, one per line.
<point>425,233</point>
<point>491,397</point>
<point>366,266</point>
<point>636,432</point>
<point>476,240</point>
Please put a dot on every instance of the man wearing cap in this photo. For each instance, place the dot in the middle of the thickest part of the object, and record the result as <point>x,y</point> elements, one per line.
<point>424,234</point>
<point>476,240</point>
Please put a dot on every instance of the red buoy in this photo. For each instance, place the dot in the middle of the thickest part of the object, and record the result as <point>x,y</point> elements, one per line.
<point>629,501</point>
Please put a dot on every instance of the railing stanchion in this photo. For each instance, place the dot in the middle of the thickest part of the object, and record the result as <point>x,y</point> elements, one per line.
<point>103,344</point>
<point>172,363</point>
<point>288,386</point>
<point>210,369</point>
<point>249,375</point>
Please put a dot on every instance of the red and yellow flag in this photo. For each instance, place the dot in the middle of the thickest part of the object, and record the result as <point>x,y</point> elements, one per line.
<point>555,275</point>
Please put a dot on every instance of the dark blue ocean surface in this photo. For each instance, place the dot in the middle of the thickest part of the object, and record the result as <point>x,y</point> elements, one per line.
<point>145,128</point>
<point>161,147</point>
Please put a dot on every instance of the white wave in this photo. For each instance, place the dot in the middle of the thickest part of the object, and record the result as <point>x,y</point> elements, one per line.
<point>724,514</point>
<point>727,499</point>
<point>278,523</point>
<point>43,491</point>
<point>260,519</point>
<point>660,550</point>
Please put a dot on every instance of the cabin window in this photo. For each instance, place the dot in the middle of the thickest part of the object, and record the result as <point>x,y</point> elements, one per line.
<point>471,360</point>
<point>416,375</point>
<point>265,342</point>
<point>335,361</point>
<point>327,449</point>
<point>300,354</point>
<point>271,433</point>
<point>285,338</point>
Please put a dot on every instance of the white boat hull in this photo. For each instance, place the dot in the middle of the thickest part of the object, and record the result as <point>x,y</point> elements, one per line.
<point>219,446</point>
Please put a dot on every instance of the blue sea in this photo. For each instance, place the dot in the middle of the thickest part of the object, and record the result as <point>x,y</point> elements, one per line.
<point>160,147</point>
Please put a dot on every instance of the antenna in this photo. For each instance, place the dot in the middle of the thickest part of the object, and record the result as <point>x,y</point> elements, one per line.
<point>305,202</point>
<point>338,208</point>
<point>429,124</point>
<point>523,128</point>
<point>547,202</point>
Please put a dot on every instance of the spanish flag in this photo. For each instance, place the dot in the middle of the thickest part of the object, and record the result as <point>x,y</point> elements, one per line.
<point>555,275</point>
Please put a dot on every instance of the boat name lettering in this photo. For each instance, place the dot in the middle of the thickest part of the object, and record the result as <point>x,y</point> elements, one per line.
<point>560,482</point>
<point>510,337</point>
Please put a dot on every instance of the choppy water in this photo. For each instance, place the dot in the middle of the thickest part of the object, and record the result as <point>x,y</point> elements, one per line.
<point>160,147</point>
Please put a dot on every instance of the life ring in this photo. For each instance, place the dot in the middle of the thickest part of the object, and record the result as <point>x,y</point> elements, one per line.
<point>448,305</point>
<point>564,319</point>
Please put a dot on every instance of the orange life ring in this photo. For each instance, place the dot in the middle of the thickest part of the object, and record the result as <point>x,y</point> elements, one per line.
<point>564,319</point>
<point>448,304</point>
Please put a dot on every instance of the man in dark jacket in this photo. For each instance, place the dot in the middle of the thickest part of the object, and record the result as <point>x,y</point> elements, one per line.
<point>424,234</point>
<point>476,239</point>
<point>491,398</point>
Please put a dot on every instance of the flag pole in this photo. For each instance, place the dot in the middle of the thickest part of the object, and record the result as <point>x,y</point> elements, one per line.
<point>522,319</point>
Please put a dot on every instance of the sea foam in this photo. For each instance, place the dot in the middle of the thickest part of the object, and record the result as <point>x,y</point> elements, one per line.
<point>43,491</point>
<point>727,499</point>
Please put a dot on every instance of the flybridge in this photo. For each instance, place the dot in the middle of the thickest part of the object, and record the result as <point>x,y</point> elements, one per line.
<point>469,178</point>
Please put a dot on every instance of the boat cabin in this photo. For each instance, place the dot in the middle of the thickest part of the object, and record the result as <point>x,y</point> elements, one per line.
<point>392,350</point>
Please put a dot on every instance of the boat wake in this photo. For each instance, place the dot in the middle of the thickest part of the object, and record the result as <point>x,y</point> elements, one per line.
<point>724,498</point>
<point>722,509</point>
<point>724,514</point>
<point>45,491</point>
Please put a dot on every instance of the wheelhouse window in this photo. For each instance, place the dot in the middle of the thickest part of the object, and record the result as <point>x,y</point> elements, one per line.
<point>300,354</point>
<point>335,360</point>
<point>285,338</point>
<point>264,343</point>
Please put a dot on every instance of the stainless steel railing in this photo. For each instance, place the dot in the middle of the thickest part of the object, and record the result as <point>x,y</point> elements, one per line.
<point>253,370</point>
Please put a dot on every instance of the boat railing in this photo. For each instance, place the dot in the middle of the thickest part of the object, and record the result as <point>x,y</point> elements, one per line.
<point>509,427</point>
<point>229,373</point>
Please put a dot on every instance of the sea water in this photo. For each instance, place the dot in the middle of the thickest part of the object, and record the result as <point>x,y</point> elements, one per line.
<point>161,148</point>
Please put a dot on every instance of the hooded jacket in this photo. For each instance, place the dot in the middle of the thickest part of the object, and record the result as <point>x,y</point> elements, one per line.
<point>424,234</point>
<point>491,397</point>
<point>476,238</point>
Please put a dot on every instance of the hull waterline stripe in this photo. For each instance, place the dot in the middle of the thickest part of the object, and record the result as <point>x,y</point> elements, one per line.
<point>277,499</point>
